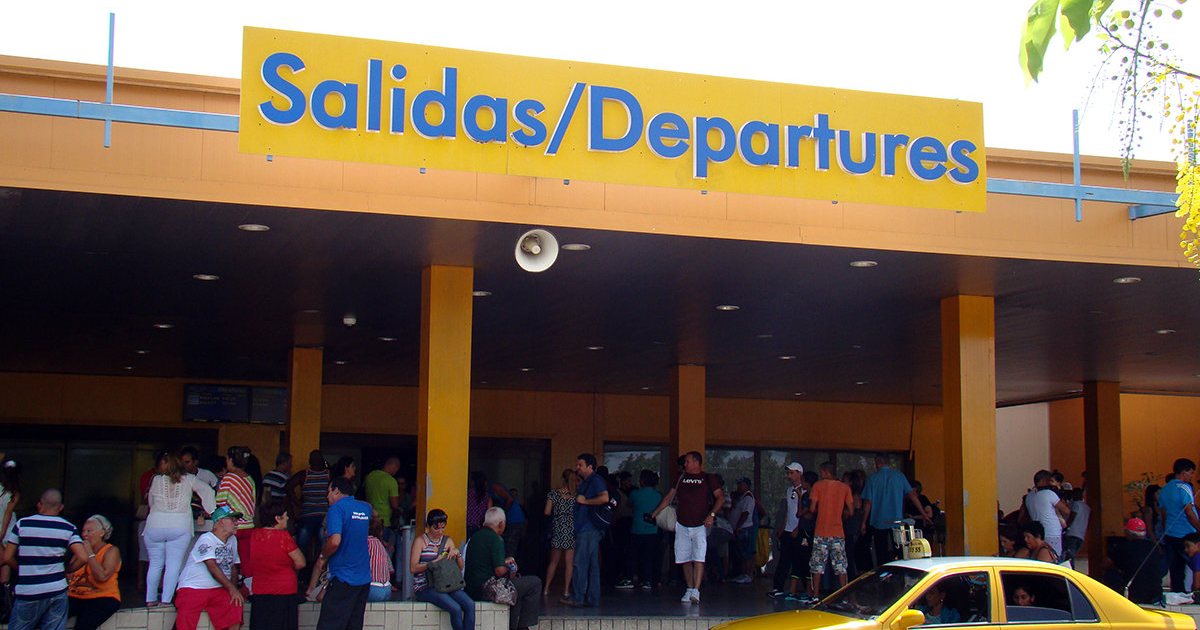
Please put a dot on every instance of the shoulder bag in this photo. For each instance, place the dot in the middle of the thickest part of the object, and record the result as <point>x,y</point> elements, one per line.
<point>443,574</point>
<point>500,590</point>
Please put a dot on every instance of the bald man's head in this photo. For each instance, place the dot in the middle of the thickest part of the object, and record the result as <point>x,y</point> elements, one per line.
<point>50,503</point>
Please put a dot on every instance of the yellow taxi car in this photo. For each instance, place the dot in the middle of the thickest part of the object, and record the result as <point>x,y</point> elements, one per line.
<point>970,593</point>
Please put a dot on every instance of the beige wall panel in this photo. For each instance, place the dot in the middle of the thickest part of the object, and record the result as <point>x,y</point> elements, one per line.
<point>1011,217</point>
<point>31,396</point>
<point>369,409</point>
<point>512,189</point>
<point>638,419</point>
<point>1158,232</point>
<point>664,201</point>
<point>153,152</point>
<point>1103,225</point>
<point>929,452</point>
<point>1066,439</point>
<point>223,163</point>
<point>784,211</point>
<point>407,181</point>
<point>577,194</point>
<point>24,140</point>
<point>897,219</point>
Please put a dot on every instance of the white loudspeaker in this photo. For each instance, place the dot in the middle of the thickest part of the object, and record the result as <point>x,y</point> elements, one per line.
<point>536,250</point>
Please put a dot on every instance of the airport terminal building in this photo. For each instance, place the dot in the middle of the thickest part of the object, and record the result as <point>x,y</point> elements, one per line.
<point>328,253</point>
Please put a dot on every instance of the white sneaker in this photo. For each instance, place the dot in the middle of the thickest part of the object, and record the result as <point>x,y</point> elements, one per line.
<point>687,596</point>
<point>695,596</point>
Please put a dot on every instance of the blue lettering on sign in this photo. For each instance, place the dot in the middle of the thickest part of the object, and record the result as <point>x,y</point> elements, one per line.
<point>436,113</point>
<point>597,94</point>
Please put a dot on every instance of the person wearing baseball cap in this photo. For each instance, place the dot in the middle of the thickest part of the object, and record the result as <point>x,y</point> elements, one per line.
<point>1134,565</point>
<point>789,537</point>
<point>210,576</point>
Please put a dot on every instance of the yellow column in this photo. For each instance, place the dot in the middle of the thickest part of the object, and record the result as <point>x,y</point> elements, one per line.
<point>969,421</point>
<point>688,393</point>
<point>304,406</point>
<point>443,420</point>
<point>1102,456</point>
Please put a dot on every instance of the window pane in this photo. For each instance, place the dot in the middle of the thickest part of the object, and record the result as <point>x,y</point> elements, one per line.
<point>634,458</point>
<point>1035,597</point>
<point>732,464</point>
<point>1084,611</point>
<point>962,598</point>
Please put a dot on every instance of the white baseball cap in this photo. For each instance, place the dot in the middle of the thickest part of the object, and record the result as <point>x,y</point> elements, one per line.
<point>795,466</point>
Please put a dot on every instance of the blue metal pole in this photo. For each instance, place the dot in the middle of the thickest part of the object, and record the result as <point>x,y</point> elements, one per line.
<point>1078,170</point>
<point>108,90</point>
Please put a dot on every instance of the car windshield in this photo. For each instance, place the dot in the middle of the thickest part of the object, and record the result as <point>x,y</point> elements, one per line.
<point>872,593</point>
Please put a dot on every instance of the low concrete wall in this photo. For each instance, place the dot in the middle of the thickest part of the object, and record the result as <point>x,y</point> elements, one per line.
<point>379,616</point>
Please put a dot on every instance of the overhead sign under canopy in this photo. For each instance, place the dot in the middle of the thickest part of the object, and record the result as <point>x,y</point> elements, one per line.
<point>360,100</point>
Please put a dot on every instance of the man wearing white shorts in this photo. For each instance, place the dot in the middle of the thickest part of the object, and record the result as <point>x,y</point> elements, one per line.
<point>700,497</point>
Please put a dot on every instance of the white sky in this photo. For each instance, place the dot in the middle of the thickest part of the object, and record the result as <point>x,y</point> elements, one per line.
<point>960,49</point>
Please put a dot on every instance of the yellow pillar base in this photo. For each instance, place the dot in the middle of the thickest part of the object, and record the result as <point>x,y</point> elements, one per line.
<point>304,405</point>
<point>969,420</point>
<point>443,420</point>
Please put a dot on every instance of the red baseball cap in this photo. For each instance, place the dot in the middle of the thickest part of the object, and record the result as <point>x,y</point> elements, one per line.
<point>1135,525</point>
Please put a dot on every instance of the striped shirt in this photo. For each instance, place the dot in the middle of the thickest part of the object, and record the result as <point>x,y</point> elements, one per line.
<point>236,492</point>
<point>381,564</point>
<point>314,494</point>
<point>274,482</point>
<point>429,553</point>
<point>42,544</point>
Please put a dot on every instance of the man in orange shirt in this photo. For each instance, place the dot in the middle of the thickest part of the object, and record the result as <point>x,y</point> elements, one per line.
<point>832,501</point>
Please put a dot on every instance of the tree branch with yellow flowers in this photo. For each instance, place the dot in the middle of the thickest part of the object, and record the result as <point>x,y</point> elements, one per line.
<point>1152,81</point>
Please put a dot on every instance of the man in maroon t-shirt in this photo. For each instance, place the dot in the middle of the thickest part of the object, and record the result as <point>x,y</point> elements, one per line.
<point>700,498</point>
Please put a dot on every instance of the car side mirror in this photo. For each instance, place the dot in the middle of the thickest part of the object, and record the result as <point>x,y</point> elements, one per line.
<point>907,619</point>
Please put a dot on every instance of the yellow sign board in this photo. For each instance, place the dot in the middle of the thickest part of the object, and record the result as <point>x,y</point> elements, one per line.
<point>360,100</point>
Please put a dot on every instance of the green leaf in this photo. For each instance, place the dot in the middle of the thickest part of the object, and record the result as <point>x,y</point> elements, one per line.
<point>1076,20</point>
<point>1036,36</point>
<point>1099,7</point>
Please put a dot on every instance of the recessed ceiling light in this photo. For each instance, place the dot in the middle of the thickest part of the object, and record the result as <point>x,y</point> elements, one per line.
<point>857,346</point>
<point>766,336</point>
<point>1127,280</point>
<point>142,352</point>
<point>339,362</point>
<point>311,311</point>
<point>127,367</point>
<point>386,338</point>
<point>595,347</point>
<point>253,227</point>
<point>645,389</point>
<point>1165,331</point>
<point>207,277</point>
<point>576,247</point>
<point>164,326</point>
<point>481,293</point>
<point>798,393</point>
<point>526,369</point>
<point>862,264</point>
<point>1074,391</point>
<point>786,357</point>
<point>728,307</point>
<point>860,382</point>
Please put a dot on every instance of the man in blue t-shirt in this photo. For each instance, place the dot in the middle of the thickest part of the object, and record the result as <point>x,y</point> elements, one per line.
<point>585,584</point>
<point>349,561</point>
<point>883,500</point>
<point>1178,501</point>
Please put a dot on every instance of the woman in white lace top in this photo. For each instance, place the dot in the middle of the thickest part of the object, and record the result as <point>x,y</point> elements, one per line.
<point>169,525</point>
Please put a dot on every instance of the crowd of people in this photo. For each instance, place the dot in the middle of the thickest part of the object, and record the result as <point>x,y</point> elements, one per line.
<point>209,540</point>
